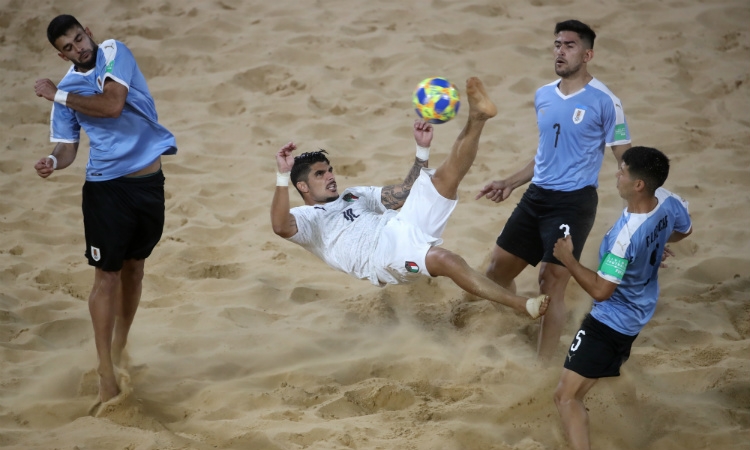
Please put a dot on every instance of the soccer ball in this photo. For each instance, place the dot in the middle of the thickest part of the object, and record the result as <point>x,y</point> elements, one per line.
<point>436,100</point>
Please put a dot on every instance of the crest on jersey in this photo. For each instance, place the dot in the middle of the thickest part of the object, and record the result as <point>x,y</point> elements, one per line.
<point>96,255</point>
<point>578,114</point>
<point>350,198</point>
<point>411,267</point>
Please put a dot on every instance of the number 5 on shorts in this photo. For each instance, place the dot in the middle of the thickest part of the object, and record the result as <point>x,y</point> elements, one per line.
<point>577,341</point>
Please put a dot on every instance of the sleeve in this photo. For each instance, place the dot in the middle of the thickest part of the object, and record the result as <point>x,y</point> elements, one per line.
<point>682,223</point>
<point>614,121</point>
<point>304,225</point>
<point>372,195</point>
<point>119,63</point>
<point>64,126</point>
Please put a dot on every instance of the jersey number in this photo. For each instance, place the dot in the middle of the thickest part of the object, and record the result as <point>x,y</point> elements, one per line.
<point>557,132</point>
<point>577,342</point>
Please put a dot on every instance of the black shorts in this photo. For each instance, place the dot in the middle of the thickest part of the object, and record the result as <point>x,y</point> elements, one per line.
<point>597,350</point>
<point>123,219</point>
<point>534,226</point>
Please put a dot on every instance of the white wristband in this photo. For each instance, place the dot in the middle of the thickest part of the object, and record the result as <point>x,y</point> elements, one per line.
<point>282,179</point>
<point>423,153</point>
<point>54,161</point>
<point>61,97</point>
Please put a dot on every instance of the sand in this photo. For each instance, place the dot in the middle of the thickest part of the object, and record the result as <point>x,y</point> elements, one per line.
<point>246,341</point>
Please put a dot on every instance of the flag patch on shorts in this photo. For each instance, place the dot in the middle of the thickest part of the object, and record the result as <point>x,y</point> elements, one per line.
<point>411,267</point>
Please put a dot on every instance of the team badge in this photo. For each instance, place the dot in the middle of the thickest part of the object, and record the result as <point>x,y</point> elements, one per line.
<point>350,198</point>
<point>96,255</point>
<point>578,114</point>
<point>411,267</point>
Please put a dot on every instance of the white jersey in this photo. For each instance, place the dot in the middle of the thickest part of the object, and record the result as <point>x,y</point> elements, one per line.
<point>345,232</point>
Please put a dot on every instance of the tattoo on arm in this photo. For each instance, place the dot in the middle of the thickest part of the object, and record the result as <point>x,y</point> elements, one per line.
<point>394,196</point>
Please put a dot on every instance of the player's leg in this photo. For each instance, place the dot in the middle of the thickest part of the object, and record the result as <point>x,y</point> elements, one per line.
<point>442,262</point>
<point>102,306</point>
<point>519,244</point>
<point>504,267</point>
<point>131,285</point>
<point>569,395</point>
<point>553,279</point>
<point>577,210</point>
<point>450,173</point>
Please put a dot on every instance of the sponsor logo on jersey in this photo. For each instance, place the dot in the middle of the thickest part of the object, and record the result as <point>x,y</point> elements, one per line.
<point>411,267</point>
<point>578,114</point>
<point>96,255</point>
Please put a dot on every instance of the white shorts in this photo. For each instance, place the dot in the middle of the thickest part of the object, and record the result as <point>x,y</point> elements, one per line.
<point>405,240</point>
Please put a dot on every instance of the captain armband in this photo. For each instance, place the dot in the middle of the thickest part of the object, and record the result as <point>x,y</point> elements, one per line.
<point>613,266</point>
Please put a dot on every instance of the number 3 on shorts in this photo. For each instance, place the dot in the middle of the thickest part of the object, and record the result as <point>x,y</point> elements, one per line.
<point>577,341</point>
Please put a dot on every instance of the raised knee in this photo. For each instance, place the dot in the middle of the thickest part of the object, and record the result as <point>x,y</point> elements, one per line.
<point>442,262</point>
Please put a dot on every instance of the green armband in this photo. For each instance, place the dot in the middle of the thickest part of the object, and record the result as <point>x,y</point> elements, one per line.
<point>613,265</point>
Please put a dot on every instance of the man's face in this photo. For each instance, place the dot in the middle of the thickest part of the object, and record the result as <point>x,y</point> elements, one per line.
<point>78,47</point>
<point>321,184</point>
<point>570,54</point>
<point>625,183</point>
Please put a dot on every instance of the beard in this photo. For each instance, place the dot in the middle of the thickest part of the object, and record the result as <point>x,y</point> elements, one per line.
<point>567,71</point>
<point>332,198</point>
<point>82,66</point>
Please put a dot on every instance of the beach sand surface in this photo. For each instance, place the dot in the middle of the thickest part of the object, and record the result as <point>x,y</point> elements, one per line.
<point>246,341</point>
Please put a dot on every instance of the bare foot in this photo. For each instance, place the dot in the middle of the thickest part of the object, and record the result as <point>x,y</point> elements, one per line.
<point>537,306</point>
<point>107,387</point>
<point>480,105</point>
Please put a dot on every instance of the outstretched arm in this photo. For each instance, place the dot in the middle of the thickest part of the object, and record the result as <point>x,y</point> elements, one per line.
<point>596,286</point>
<point>394,196</point>
<point>500,190</point>
<point>61,157</point>
<point>108,104</point>
<point>283,222</point>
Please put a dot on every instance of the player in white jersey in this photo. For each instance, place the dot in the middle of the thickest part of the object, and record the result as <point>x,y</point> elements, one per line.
<point>577,117</point>
<point>625,287</point>
<point>361,233</point>
<point>106,94</point>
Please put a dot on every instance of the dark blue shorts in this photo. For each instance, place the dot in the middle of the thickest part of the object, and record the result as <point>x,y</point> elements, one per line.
<point>123,219</point>
<point>597,350</point>
<point>534,226</point>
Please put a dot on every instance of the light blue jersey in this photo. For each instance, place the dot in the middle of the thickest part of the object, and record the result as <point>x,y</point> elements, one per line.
<point>573,132</point>
<point>630,256</point>
<point>122,145</point>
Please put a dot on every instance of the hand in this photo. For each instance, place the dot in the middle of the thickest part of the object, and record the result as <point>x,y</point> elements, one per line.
<point>422,133</point>
<point>563,249</point>
<point>284,158</point>
<point>44,167</point>
<point>45,88</point>
<point>496,191</point>
<point>667,253</point>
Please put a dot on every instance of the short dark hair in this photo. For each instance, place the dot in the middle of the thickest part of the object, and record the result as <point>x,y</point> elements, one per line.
<point>302,164</point>
<point>647,164</point>
<point>584,31</point>
<point>61,25</point>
